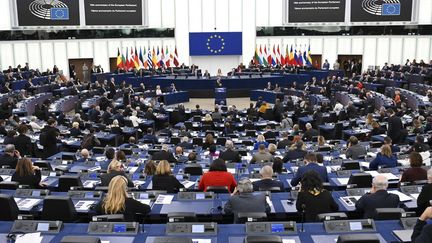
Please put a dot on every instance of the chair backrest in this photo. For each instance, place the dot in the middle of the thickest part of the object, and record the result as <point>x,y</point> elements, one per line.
<point>263,239</point>
<point>43,165</point>
<point>9,185</point>
<point>182,217</point>
<point>58,208</point>
<point>175,140</point>
<point>243,217</point>
<point>360,180</point>
<point>68,181</point>
<point>272,189</point>
<point>331,216</point>
<point>9,209</point>
<point>217,189</point>
<point>198,141</point>
<point>193,170</point>
<point>338,130</point>
<point>357,238</point>
<point>221,141</point>
<point>80,239</point>
<point>388,213</point>
<point>350,165</point>
<point>108,218</point>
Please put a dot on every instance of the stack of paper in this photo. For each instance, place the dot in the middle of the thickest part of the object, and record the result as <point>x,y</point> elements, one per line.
<point>343,181</point>
<point>187,184</point>
<point>90,183</point>
<point>402,197</point>
<point>164,199</point>
<point>144,201</point>
<point>350,200</point>
<point>26,204</point>
<point>84,205</point>
<point>30,237</point>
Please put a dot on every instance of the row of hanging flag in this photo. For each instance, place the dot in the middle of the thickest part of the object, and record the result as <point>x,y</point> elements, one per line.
<point>152,58</point>
<point>265,56</point>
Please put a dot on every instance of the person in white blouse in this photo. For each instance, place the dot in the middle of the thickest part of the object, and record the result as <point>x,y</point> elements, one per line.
<point>158,90</point>
<point>35,127</point>
<point>134,119</point>
<point>338,108</point>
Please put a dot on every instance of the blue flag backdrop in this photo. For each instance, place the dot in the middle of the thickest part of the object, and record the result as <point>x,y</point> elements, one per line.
<point>215,43</point>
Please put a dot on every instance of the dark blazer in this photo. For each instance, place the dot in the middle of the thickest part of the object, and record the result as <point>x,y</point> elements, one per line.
<point>23,144</point>
<point>8,160</point>
<point>267,183</point>
<point>32,180</point>
<point>247,202</point>
<point>414,174</point>
<point>131,208</point>
<point>230,155</point>
<point>185,145</point>
<point>166,183</point>
<point>284,143</point>
<point>106,178</point>
<point>75,132</point>
<point>394,128</point>
<point>422,232</point>
<point>309,134</point>
<point>424,198</point>
<point>380,199</point>
<point>315,204</point>
<point>294,154</point>
<point>164,155</point>
<point>269,134</point>
<point>322,171</point>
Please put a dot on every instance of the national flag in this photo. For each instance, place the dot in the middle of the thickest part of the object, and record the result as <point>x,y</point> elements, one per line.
<point>282,57</point>
<point>149,59</point>
<point>162,58</point>
<point>127,63</point>
<point>175,62</point>
<point>167,57</point>
<point>309,56</point>
<point>273,57</point>
<point>131,59</point>
<point>119,59</point>
<point>136,59</point>
<point>154,58</point>
<point>269,57</point>
<point>256,57</point>
<point>278,57</point>
<point>261,56</point>
<point>291,57</point>
<point>300,59</point>
<point>140,58</point>
<point>287,61</point>
<point>296,61</point>
<point>123,61</point>
<point>265,63</point>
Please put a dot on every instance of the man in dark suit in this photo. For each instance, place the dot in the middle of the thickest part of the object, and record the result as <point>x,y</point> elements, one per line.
<point>269,134</point>
<point>309,133</point>
<point>22,142</point>
<point>422,231</point>
<point>278,110</point>
<point>3,128</point>
<point>285,142</point>
<point>377,198</point>
<point>184,143</point>
<point>230,154</point>
<point>267,181</point>
<point>149,137</point>
<point>244,200</point>
<point>164,154</point>
<point>94,114</point>
<point>10,157</point>
<point>311,164</point>
<point>394,127</point>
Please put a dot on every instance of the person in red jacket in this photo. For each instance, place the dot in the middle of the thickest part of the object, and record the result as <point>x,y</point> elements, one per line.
<point>217,176</point>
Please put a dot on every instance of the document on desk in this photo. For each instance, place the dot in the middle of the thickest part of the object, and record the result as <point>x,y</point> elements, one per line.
<point>364,164</point>
<point>6,178</point>
<point>342,156</point>
<point>349,200</point>
<point>288,241</point>
<point>389,176</point>
<point>402,196</point>
<point>164,199</point>
<point>188,184</point>
<point>84,205</point>
<point>26,204</point>
<point>95,168</point>
<point>231,170</point>
<point>343,181</point>
<point>201,241</point>
<point>90,183</point>
<point>132,169</point>
<point>144,201</point>
<point>415,195</point>
<point>30,237</point>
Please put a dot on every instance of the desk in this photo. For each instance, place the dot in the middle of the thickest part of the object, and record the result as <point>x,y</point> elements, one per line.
<point>27,107</point>
<point>175,97</point>
<point>267,96</point>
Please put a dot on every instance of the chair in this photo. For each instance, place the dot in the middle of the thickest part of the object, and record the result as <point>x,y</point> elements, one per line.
<point>182,217</point>
<point>9,209</point>
<point>58,208</point>
<point>357,238</point>
<point>350,165</point>
<point>331,216</point>
<point>250,133</point>
<point>9,185</point>
<point>272,189</point>
<point>360,180</point>
<point>221,141</point>
<point>175,140</point>
<point>68,181</point>
<point>338,131</point>
<point>108,218</point>
<point>217,189</point>
<point>43,165</point>
<point>263,239</point>
<point>193,170</point>
<point>197,141</point>
<point>388,213</point>
<point>243,217</point>
<point>80,239</point>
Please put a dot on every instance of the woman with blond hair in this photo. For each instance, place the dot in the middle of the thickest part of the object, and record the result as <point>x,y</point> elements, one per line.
<point>385,158</point>
<point>115,168</point>
<point>260,140</point>
<point>118,202</point>
<point>164,180</point>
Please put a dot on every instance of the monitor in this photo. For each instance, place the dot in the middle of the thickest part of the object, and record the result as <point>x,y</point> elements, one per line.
<point>355,226</point>
<point>36,193</point>
<point>197,228</point>
<point>119,228</point>
<point>277,228</point>
<point>200,196</point>
<point>42,227</point>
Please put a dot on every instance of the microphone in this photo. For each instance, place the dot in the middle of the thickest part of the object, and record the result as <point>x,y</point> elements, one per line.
<point>303,206</point>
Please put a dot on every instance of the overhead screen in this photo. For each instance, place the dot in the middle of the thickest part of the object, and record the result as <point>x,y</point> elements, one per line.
<point>304,11</point>
<point>67,12</point>
<point>47,12</point>
<point>382,10</point>
<point>113,12</point>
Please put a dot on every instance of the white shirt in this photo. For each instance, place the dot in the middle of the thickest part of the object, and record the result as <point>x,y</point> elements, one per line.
<point>338,107</point>
<point>134,120</point>
<point>158,92</point>
<point>35,126</point>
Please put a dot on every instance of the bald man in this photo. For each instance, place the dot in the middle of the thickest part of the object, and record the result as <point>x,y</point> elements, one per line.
<point>377,198</point>
<point>267,181</point>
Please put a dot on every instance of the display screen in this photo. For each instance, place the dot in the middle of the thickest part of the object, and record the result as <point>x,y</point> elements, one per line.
<point>119,228</point>
<point>88,195</point>
<point>199,196</point>
<point>304,11</point>
<point>36,193</point>
<point>113,12</point>
<point>276,228</point>
<point>355,226</point>
<point>383,10</point>
<point>47,13</point>
<point>198,228</point>
<point>179,177</point>
<point>144,196</point>
<point>42,227</point>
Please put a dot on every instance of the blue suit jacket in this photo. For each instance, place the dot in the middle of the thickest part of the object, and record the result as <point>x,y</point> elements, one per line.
<point>322,171</point>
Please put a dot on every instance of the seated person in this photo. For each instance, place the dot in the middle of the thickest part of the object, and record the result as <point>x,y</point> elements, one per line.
<point>115,168</point>
<point>164,154</point>
<point>230,154</point>
<point>27,174</point>
<point>85,155</point>
<point>269,134</point>
<point>261,155</point>
<point>296,151</point>
<point>415,172</point>
<point>23,142</point>
<point>244,200</point>
<point>378,197</point>
<point>422,231</point>
<point>260,140</point>
<point>164,180</point>
<point>385,158</point>
<point>285,142</point>
<point>150,168</point>
<point>109,156</point>
<point>208,141</point>
<point>149,137</point>
<point>313,199</point>
<point>355,150</point>
<point>267,181</point>
<point>310,164</point>
<point>10,157</point>
<point>423,200</point>
<point>179,155</point>
<point>419,145</point>
<point>75,130</point>
<point>117,201</point>
<point>418,128</point>
<point>309,133</point>
<point>217,176</point>
<point>394,148</point>
<point>278,166</point>
<point>272,149</point>
<point>376,129</point>
<point>184,143</point>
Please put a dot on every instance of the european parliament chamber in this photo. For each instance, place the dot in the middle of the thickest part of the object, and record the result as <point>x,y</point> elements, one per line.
<point>204,121</point>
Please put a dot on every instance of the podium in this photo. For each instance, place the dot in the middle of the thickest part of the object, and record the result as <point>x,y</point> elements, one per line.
<point>220,96</point>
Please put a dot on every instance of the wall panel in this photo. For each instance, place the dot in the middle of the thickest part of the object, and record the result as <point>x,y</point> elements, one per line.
<point>275,13</point>
<point>369,55</point>
<point>356,45</point>
<point>86,49</point>
<point>382,49</point>
<point>101,56</point>
<point>168,14</point>
<point>262,12</point>
<point>60,57</point>
<point>329,49</point>
<point>6,55</point>
<point>344,45</point>
<point>20,53</point>
<point>208,15</point>
<point>195,16</point>
<point>235,15</point>
<point>396,47</point>
<point>409,48</point>
<point>34,55</point>
<point>423,48</point>
<point>154,13</point>
<point>48,55</point>
<point>222,15</point>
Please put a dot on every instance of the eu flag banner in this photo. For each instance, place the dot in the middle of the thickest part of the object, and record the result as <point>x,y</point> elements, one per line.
<point>215,43</point>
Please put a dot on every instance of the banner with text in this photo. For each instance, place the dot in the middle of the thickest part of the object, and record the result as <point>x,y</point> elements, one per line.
<point>304,11</point>
<point>113,12</point>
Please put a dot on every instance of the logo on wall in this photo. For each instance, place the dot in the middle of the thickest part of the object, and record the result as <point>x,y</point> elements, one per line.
<point>382,7</point>
<point>215,44</point>
<point>49,9</point>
